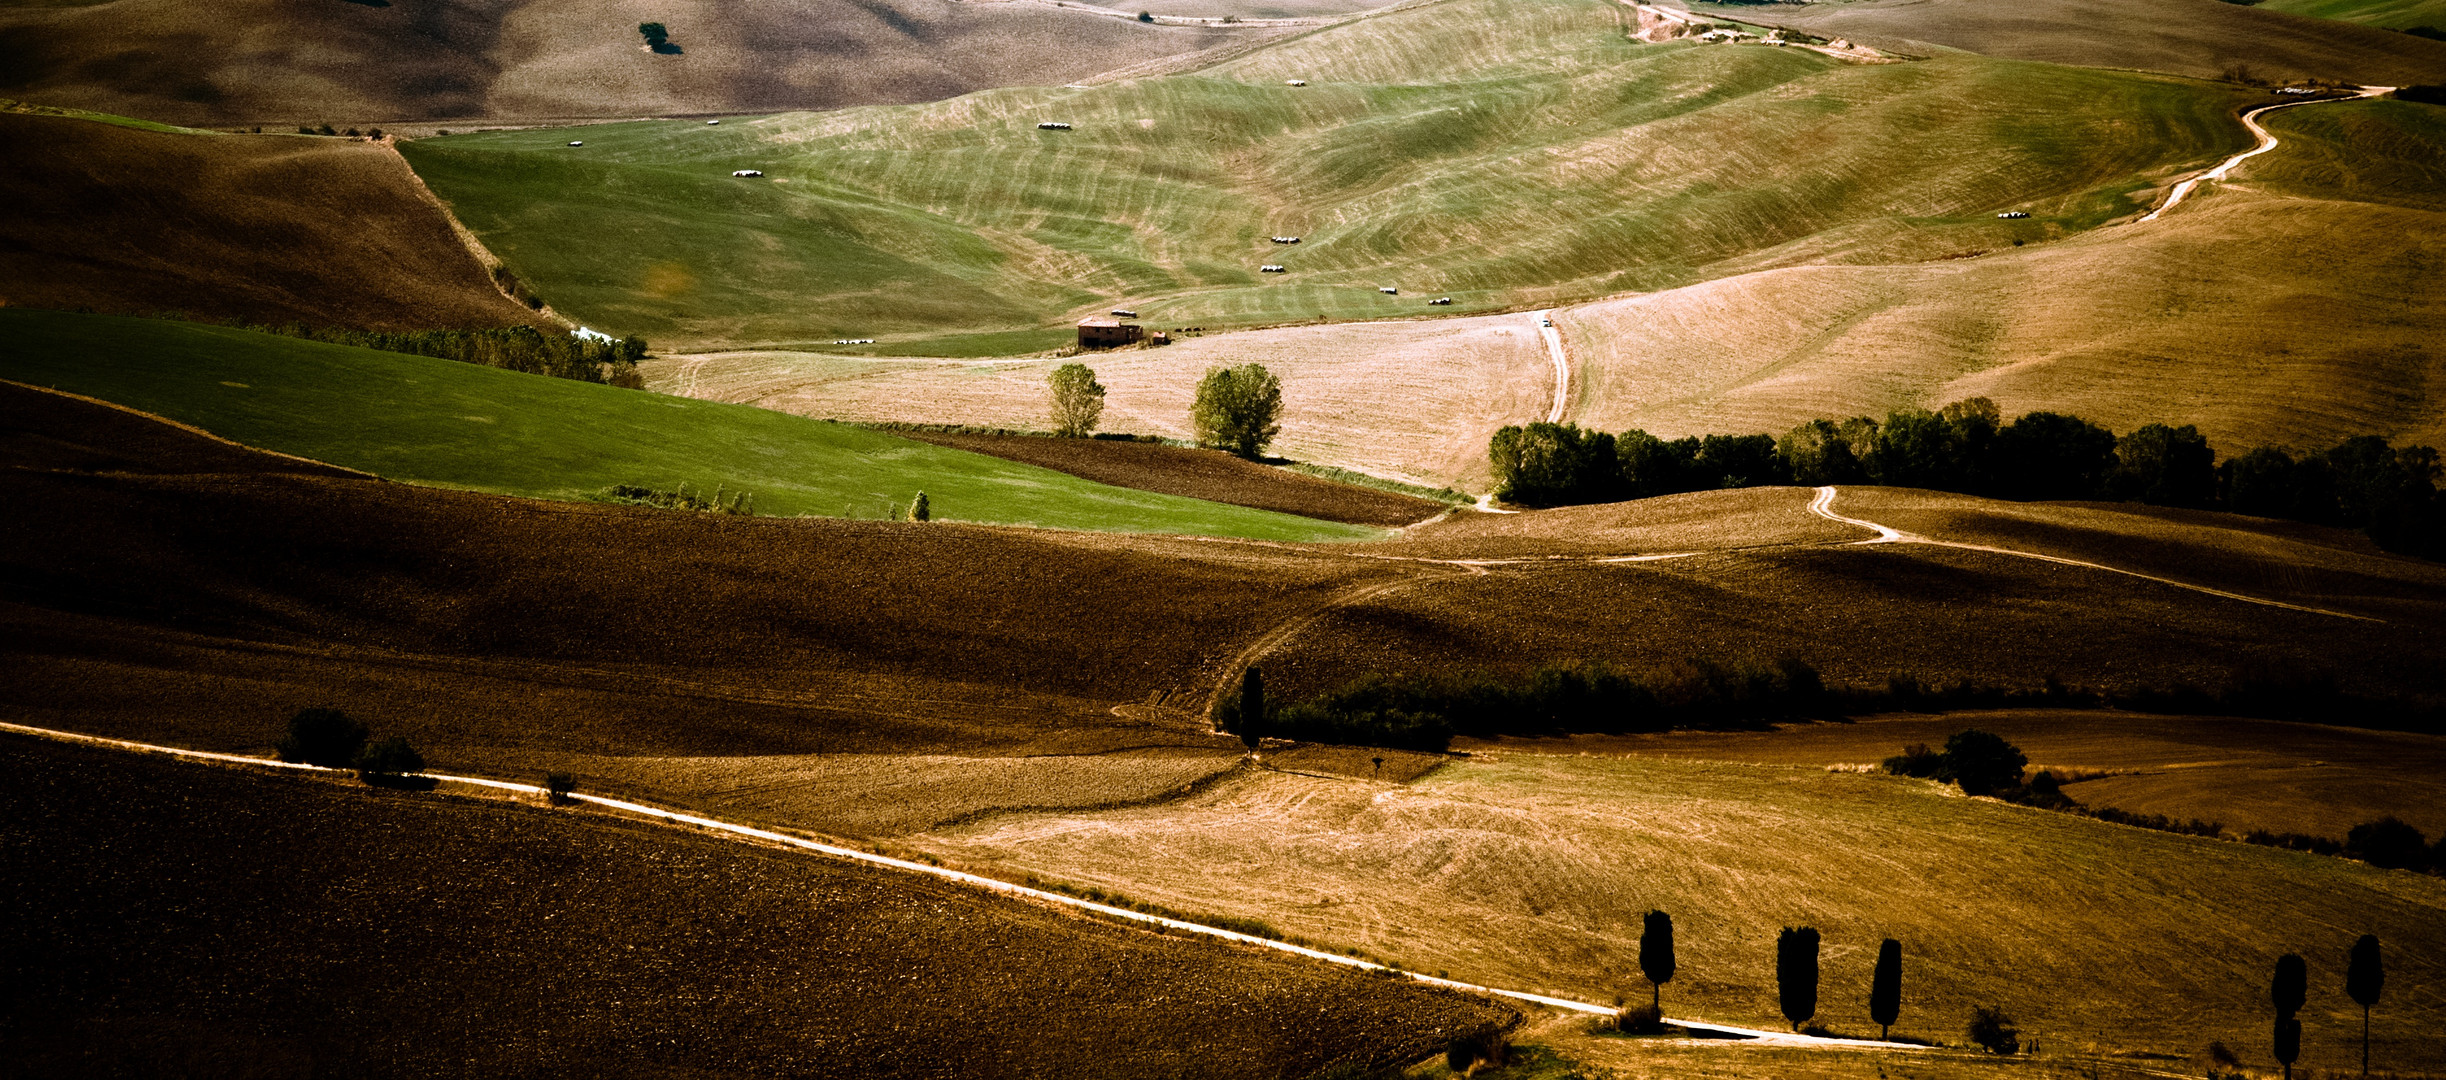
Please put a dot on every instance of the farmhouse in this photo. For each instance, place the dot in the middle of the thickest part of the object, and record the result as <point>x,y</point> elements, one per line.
<point>1102,332</point>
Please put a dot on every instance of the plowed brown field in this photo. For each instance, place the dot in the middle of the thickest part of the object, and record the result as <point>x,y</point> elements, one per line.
<point>327,232</point>
<point>265,61</point>
<point>175,919</point>
<point>1199,474</point>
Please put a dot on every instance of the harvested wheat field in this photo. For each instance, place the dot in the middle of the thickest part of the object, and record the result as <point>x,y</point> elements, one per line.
<point>1411,401</point>
<point>175,918</point>
<point>1199,474</point>
<point>2198,38</point>
<point>265,62</point>
<point>262,229</point>
<point>2244,774</point>
<point>1532,870</point>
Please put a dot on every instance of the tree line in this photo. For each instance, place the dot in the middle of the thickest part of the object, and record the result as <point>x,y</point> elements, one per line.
<point>522,349</point>
<point>2363,482</point>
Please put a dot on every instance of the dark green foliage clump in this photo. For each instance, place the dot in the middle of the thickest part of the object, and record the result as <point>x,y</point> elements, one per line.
<point>1983,763</point>
<point>511,348</point>
<point>558,787</point>
<point>390,757</point>
<point>325,737</point>
<point>2363,482</point>
<point>2388,843</point>
<point>657,37</point>
<point>722,501</point>
<point>1992,1030</point>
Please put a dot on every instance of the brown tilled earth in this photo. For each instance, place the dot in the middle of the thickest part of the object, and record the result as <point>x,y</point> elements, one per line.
<point>158,585</point>
<point>1198,474</point>
<point>272,61</point>
<point>259,229</point>
<point>176,919</point>
<point>2200,38</point>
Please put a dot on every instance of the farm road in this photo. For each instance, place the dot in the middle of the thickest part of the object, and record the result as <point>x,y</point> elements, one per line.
<point>996,885</point>
<point>1823,506</point>
<point>1562,364</point>
<point>2267,142</point>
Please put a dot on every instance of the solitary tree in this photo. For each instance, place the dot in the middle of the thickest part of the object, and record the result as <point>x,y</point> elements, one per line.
<point>390,757</point>
<point>1238,409</point>
<point>1796,973</point>
<point>1656,956</point>
<point>1993,1029</point>
<point>1982,762</point>
<point>1078,401</point>
<point>2366,976</point>
<point>1252,708</point>
<point>919,509</point>
<point>325,737</point>
<point>1885,988</point>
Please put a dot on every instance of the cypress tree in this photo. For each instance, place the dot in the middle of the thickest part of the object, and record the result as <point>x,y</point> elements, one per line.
<point>2288,1042</point>
<point>1656,956</point>
<point>2290,988</point>
<point>2363,980</point>
<point>1252,708</point>
<point>1885,988</point>
<point>1796,973</point>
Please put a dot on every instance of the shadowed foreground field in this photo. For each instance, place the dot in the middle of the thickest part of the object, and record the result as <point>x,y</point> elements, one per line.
<point>174,918</point>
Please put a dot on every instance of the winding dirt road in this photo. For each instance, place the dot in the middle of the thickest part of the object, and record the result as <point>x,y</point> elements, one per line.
<point>1562,365</point>
<point>2267,142</point>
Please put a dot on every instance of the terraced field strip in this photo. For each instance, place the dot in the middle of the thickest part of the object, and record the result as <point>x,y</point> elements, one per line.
<point>976,880</point>
<point>1823,506</point>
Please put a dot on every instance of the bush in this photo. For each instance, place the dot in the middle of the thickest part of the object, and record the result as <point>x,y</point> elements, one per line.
<point>1916,760</point>
<point>920,509</point>
<point>558,787</point>
<point>1485,1045</point>
<point>1993,1030</point>
<point>325,737</point>
<point>2388,843</point>
<point>392,757</point>
<point>1640,1020</point>
<point>1983,763</point>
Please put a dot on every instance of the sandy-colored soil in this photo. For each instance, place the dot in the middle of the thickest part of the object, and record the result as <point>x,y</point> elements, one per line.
<point>2246,774</point>
<point>265,61</point>
<point>1414,401</point>
<point>2201,38</point>
<point>1532,870</point>
<point>327,232</point>
<point>1198,474</point>
<point>169,918</point>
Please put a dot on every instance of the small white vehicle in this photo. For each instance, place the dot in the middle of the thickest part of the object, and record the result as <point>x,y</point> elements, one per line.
<point>747,172</point>
<point>1389,291</point>
<point>1125,313</point>
<point>853,341</point>
<point>1053,125</point>
<point>1545,321</point>
<point>1285,239</point>
<point>710,123</point>
<point>1296,82</point>
<point>1441,300</point>
<point>2014,214</point>
<point>1270,268</point>
<point>579,142</point>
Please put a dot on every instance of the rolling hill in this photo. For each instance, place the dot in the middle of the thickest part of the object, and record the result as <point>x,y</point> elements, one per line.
<point>114,217</point>
<point>451,424</point>
<point>2390,14</point>
<point>269,61</point>
<point>1560,160</point>
<point>2201,38</point>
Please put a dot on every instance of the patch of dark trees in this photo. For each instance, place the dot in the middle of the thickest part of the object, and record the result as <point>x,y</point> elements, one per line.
<point>331,739</point>
<point>2362,482</point>
<point>1425,713</point>
<point>658,38</point>
<point>510,348</point>
<point>2426,95</point>
<point>1982,763</point>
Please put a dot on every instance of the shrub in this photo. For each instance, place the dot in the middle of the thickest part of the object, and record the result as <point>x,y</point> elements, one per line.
<point>558,787</point>
<point>1992,1029</point>
<point>1916,760</point>
<point>920,509</point>
<point>2388,843</point>
<point>1146,16</point>
<point>392,757</point>
<point>1484,1045</point>
<point>1238,409</point>
<point>1983,763</point>
<point>1640,1020</point>
<point>325,737</point>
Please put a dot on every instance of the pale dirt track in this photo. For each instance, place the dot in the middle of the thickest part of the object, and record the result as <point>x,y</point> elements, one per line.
<point>2267,142</point>
<point>995,885</point>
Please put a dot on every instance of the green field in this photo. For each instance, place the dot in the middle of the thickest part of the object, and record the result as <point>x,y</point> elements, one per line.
<point>1558,159</point>
<point>449,424</point>
<point>2391,14</point>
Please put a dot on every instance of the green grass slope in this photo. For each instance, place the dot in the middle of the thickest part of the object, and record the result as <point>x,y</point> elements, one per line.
<point>2391,14</point>
<point>1558,159</point>
<point>457,425</point>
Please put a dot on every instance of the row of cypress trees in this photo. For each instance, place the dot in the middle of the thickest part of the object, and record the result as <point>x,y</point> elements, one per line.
<point>2365,978</point>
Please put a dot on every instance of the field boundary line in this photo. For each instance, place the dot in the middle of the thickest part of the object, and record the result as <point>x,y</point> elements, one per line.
<point>1823,506</point>
<point>995,885</point>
